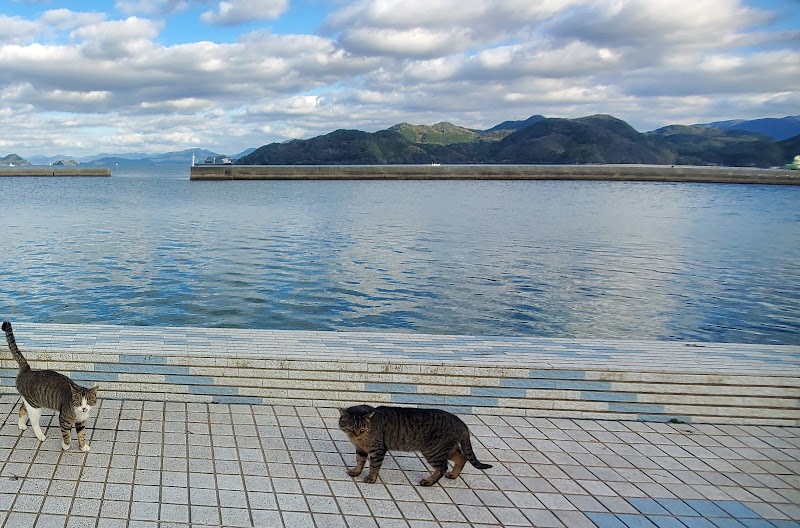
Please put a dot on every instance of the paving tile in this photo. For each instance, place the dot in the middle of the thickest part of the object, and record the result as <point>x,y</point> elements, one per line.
<point>696,522</point>
<point>605,520</point>
<point>636,521</point>
<point>648,506</point>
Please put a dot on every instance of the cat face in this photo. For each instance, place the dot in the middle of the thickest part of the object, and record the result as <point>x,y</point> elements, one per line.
<point>84,399</point>
<point>354,426</point>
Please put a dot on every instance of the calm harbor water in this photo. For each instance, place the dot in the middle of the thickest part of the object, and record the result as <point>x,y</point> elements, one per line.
<point>700,262</point>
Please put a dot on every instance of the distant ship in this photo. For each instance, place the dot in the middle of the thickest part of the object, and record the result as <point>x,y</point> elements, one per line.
<point>794,165</point>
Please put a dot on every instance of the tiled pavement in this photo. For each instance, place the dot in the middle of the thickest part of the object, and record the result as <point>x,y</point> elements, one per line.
<point>156,464</point>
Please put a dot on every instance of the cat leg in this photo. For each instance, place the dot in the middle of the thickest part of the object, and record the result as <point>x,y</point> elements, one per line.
<point>23,417</point>
<point>35,414</point>
<point>80,428</point>
<point>375,463</point>
<point>439,468</point>
<point>66,433</point>
<point>459,459</point>
<point>361,460</point>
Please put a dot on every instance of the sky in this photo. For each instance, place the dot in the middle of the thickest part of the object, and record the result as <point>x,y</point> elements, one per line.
<point>154,76</point>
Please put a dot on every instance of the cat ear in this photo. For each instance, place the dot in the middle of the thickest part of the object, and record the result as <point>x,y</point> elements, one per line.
<point>94,389</point>
<point>342,413</point>
<point>369,416</point>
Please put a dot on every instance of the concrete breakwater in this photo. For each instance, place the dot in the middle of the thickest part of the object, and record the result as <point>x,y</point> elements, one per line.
<point>651,173</point>
<point>54,171</point>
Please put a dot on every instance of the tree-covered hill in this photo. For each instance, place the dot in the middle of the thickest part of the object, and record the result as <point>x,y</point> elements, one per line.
<point>439,134</point>
<point>13,159</point>
<point>341,147</point>
<point>591,139</point>
<point>698,145</point>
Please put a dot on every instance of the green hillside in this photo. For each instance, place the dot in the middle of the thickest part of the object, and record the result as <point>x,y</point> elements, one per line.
<point>13,159</point>
<point>341,147</point>
<point>591,139</point>
<point>439,134</point>
<point>698,145</point>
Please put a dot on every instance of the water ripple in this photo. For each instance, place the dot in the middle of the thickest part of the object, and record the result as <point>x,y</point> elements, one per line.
<point>557,259</point>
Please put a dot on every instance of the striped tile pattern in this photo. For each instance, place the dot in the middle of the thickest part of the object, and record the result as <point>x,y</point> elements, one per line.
<point>514,376</point>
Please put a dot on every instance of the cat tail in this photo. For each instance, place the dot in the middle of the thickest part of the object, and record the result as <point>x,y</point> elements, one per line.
<point>466,447</point>
<point>12,344</point>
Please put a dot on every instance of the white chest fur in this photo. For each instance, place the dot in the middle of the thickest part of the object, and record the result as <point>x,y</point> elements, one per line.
<point>82,412</point>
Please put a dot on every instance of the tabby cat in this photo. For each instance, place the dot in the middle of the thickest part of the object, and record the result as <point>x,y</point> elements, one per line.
<point>47,389</point>
<point>439,435</point>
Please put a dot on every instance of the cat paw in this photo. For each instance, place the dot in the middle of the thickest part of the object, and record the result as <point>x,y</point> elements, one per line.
<point>370,479</point>
<point>86,448</point>
<point>427,482</point>
<point>64,446</point>
<point>450,475</point>
<point>41,437</point>
<point>354,472</point>
<point>22,426</point>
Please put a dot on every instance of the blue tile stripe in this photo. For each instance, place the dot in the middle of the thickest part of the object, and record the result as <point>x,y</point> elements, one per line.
<point>498,392</point>
<point>391,387</point>
<point>214,390</point>
<point>93,376</point>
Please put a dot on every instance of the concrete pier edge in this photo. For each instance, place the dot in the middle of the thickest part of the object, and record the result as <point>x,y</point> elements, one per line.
<point>644,173</point>
<point>43,172</point>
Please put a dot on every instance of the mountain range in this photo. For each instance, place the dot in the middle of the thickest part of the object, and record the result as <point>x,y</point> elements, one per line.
<point>600,138</point>
<point>538,140</point>
<point>776,128</point>
<point>182,157</point>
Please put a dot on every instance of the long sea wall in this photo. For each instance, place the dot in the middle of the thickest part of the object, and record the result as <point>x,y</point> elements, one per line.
<point>649,173</point>
<point>51,171</point>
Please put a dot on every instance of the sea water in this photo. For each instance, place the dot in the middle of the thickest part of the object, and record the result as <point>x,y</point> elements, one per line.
<point>622,260</point>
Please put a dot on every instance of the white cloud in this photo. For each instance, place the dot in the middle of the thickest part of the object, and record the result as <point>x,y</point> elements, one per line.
<point>291,106</point>
<point>109,80</point>
<point>65,19</point>
<point>232,12</point>
<point>414,42</point>
<point>15,30</point>
<point>116,39</point>
<point>650,32</point>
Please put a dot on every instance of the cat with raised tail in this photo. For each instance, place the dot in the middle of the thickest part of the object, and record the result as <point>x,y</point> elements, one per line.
<point>439,435</point>
<point>47,389</point>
